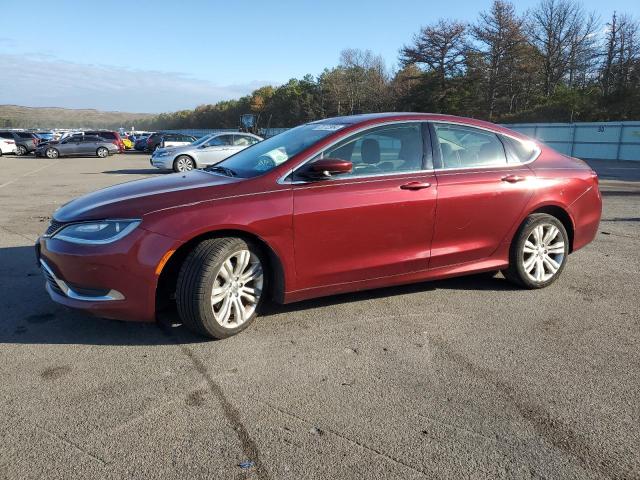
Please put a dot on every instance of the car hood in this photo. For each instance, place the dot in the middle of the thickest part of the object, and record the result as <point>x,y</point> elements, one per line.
<point>140,197</point>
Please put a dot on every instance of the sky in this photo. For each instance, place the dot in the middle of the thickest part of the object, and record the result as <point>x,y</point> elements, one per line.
<point>157,56</point>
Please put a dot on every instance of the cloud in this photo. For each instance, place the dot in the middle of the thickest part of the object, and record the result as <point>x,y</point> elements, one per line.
<point>46,81</point>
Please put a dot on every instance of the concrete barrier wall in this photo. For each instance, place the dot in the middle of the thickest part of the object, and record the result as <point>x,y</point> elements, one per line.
<point>589,140</point>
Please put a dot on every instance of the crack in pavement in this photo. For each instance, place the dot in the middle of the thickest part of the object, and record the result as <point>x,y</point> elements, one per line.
<point>249,447</point>
<point>73,445</point>
<point>551,429</point>
<point>377,452</point>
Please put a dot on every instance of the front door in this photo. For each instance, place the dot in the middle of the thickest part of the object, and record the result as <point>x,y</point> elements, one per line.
<point>480,194</point>
<point>376,221</point>
<point>215,150</point>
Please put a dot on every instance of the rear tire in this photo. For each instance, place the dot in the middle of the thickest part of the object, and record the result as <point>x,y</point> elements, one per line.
<point>221,286</point>
<point>538,252</point>
<point>102,152</point>
<point>21,150</point>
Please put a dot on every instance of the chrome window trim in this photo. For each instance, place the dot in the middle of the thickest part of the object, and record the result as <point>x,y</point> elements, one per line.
<point>480,167</point>
<point>282,180</point>
<point>69,292</point>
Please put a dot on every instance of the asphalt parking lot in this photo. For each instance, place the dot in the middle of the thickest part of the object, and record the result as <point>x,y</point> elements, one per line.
<point>464,378</point>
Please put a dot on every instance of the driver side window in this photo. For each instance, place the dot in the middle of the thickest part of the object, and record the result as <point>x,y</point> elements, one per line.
<point>390,149</point>
<point>219,141</point>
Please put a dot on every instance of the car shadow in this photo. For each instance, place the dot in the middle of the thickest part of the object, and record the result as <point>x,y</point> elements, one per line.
<point>31,317</point>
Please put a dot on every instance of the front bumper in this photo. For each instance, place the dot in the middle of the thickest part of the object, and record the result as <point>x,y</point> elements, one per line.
<point>164,163</point>
<point>116,280</point>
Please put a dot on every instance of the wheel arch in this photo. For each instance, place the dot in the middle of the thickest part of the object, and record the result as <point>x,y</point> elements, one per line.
<point>562,215</point>
<point>168,276</point>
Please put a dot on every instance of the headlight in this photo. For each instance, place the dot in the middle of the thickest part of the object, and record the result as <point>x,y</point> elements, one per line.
<point>164,154</point>
<point>97,233</point>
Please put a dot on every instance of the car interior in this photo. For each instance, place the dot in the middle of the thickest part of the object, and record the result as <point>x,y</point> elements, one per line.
<point>397,149</point>
<point>462,147</point>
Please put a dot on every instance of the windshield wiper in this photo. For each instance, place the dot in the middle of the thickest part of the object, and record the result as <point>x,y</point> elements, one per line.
<point>224,170</point>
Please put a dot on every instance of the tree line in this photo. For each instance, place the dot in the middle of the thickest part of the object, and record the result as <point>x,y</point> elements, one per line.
<point>554,63</point>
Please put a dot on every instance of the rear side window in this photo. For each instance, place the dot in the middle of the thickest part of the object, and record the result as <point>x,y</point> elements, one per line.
<point>6,135</point>
<point>109,135</point>
<point>25,135</point>
<point>520,151</point>
<point>243,140</point>
<point>468,147</point>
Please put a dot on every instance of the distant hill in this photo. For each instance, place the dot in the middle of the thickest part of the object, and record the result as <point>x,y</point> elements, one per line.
<point>16,116</point>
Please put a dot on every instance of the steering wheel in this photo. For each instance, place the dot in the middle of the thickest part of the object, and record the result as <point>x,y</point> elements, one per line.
<point>265,163</point>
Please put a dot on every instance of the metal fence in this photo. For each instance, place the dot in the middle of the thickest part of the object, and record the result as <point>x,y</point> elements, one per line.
<point>589,140</point>
<point>201,132</point>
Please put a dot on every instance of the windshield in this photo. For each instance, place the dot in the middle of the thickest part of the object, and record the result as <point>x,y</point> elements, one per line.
<point>268,154</point>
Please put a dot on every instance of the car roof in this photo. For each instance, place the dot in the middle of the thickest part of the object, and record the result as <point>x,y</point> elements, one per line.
<point>372,118</point>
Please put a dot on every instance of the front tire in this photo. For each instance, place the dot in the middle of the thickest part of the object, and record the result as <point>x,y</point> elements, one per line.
<point>21,150</point>
<point>183,163</point>
<point>221,286</point>
<point>539,252</point>
<point>52,153</point>
<point>102,152</point>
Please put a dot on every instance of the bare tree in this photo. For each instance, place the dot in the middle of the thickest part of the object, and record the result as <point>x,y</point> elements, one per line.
<point>621,55</point>
<point>440,48</point>
<point>500,37</point>
<point>562,32</point>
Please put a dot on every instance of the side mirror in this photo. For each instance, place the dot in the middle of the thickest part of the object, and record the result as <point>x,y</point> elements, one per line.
<point>327,167</point>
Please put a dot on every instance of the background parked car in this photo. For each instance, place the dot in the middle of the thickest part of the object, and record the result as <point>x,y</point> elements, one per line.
<point>127,143</point>
<point>44,136</point>
<point>111,135</point>
<point>140,144</point>
<point>164,140</point>
<point>205,151</point>
<point>7,146</point>
<point>26,142</point>
<point>78,145</point>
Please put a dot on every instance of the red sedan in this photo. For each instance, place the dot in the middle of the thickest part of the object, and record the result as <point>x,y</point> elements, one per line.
<point>337,205</point>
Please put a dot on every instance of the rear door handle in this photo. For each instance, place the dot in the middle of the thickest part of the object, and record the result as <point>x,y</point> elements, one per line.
<point>513,178</point>
<point>415,185</point>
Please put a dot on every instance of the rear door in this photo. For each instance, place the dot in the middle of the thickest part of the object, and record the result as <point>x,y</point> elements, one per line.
<point>89,145</point>
<point>374,222</point>
<point>480,193</point>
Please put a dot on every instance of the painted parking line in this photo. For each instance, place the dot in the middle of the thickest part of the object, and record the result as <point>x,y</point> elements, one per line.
<point>28,173</point>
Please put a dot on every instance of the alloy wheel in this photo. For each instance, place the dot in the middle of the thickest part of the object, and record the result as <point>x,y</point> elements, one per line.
<point>184,164</point>
<point>543,252</point>
<point>237,289</point>
<point>52,153</point>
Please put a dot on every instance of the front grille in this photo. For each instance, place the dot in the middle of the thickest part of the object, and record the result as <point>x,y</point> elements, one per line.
<point>54,226</point>
<point>52,282</point>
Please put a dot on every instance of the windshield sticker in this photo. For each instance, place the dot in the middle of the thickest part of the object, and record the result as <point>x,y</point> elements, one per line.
<point>328,127</point>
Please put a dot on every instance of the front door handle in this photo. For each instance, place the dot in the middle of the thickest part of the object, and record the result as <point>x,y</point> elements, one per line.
<point>415,185</point>
<point>513,178</point>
